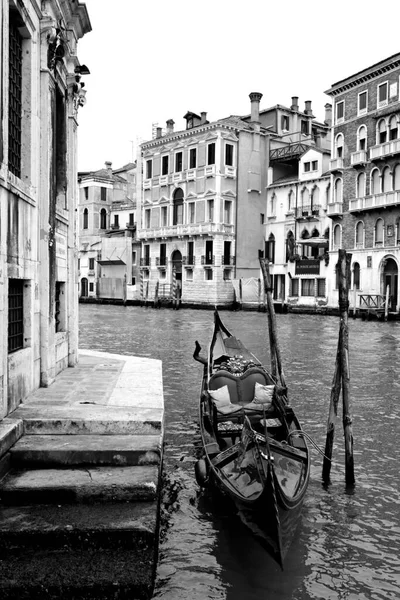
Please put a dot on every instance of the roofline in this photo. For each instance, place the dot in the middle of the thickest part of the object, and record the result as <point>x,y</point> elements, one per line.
<point>366,74</point>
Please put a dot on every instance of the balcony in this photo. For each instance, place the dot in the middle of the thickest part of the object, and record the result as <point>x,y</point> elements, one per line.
<point>131,226</point>
<point>176,177</point>
<point>161,262</point>
<point>188,261</point>
<point>91,272</point>
<point>163,179</point>
<point>384,150</point>
<point>147,184</point>
<point>185,230</point>
<point>358,159</point>
<point>335,209</point>
<point>208,261</point>
<point>145,262</point>
<point>209,171</point>
<point>375,201</point>
<point>336,165</point>
<point>230,171</point>
<point>114,226</point>
<point>228,260</point>
<point>191,175</point>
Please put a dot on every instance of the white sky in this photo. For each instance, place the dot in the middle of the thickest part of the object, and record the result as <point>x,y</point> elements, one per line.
<point>153,60</point>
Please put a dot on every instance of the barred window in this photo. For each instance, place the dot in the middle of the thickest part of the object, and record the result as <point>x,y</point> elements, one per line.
<point>15,97</point>
<point>294,287</point>
<point>15,315</point>
<point>321,287</point>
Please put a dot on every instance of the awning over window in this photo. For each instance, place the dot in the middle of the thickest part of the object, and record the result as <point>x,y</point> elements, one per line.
<point>317,242</point>
<point>111,262</point>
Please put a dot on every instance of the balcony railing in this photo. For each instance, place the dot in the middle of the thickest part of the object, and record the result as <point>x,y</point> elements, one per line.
<point>182,230</point>
<point>114,226</point>
<point>228,260</point>
<point>207,260</point>
<point>375,201</point>
<point>163,179</point>
<point>383,150</point>
<point>91,272</point>
<point>358,158</point>
<point>131,225</point>
<point>230,171</point>
<point>336,164</point>
<point>161,261</point>
<point>147,184</point>
<point>335,209</point>
<point>145,261</point>
<point>191,174</point>
<point>188,261</point>
<point>210,170</point>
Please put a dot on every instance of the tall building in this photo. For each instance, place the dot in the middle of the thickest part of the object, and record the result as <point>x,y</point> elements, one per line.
<point>365,167</point>
<point>107,233</point>
<point>41,91</point>
<point>200,201</point>
<point>297,228</point>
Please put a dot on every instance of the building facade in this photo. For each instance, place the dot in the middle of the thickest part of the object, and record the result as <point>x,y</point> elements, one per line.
<point>365,180</point>
<point>108,267</point>
<point>41,91</point>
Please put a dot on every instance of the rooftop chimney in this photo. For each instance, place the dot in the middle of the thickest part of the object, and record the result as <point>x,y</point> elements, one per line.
<point>108,165</point>
<point>328,114</point>
<point>295,103</point>
<point>307,108</point>
<point>255,98</point>
<point>203,118</point>
<point>159,132</point>
<point>170,126</point>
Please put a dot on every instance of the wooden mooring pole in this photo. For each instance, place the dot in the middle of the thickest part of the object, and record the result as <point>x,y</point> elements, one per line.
<point>276,362</point>
<point>341,379</point>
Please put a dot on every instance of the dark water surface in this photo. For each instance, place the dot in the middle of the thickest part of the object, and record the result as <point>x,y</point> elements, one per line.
<point>347,545</point>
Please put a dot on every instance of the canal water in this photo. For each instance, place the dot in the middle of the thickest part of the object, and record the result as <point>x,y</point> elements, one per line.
<point>347,546</point>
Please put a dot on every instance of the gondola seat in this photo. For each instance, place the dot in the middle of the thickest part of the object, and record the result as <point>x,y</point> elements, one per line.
<point>232,396</point>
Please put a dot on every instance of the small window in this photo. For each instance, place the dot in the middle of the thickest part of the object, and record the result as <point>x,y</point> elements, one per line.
<point>285,123</point>
<point>178,162</point>
<point>131,218</point>
<point>307,287</point>
<point>149,169</point>
<point>314,165</point>
<point>59,306</point>
<point>133,281</point>
<point>304,127</point>
<point>210,210</point>
<point>228,212</point>
<point>103,193</point>
<point>189,274</point>
<point>193,158</point>
<point>15,315</point>
<point>134,258</point>
<point>103,219</point>
<point>294,287</point>
<point>191,210</point>
<point>208,274</point>
<point>340,111</point>
<point>86,191</point>
<point>85,219</point>
<point>362,103</point>
<point>321,286</point>
<point>116,220</point>
<point>211,154</point>
<point>382,94</point>
<point>147,218</point>
<point>91,263</point>
<point>164,216</point>
<point>229,155</point>
<point>91,286</point>
<point>165,164</point>
<point>307,167</point>
<point>356,276</point>
<point>262,218</point>
<point>227,274</point>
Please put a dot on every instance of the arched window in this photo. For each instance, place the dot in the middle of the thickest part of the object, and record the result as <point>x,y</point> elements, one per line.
<point>360,188</point>
<point>272,205</point>
<point>315,200</point>
<point>338,190</point>
<point>339,143</point>
<point>305,234</point>
<point>178,207</point>
<point>305,197</point>
<point>393,128</point>
<point>396,178</point>
<point>289,245</point>
<point>270,248</point>
<point>356,276</point>
<point>379,232</point>
<point>375,182</point>
<point>103,219</point>
<point>337,235</point>
<point>362,138</point>
<point>386,180</point>
<point>315,232</point>
<point>360,235</point>
<point>328,194</point>
<point>85,219</point>
<point>381,132</point>
<point>290,200</point>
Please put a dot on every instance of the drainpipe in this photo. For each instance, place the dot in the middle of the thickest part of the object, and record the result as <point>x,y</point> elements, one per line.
<point>237,200</point>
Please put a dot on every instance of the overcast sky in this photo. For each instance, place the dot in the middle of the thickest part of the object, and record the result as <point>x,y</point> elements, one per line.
<point>153,60</point>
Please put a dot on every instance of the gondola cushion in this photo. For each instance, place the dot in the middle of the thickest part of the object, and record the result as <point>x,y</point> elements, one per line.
<point>241,389</point>
<point>222,401</point>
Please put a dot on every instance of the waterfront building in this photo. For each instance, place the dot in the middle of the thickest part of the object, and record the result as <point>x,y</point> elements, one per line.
<point>365,180</point>
<point>107,233</point>
<point>296,226</point>
<point>201,203</point>
<point>41,90</point>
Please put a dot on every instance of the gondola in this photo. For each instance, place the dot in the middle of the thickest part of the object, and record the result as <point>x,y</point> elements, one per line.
<point>252,442</point>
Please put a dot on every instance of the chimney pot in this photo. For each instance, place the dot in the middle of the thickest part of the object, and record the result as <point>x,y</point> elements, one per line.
<point>328,114</point>
<point>203,118</point>
<point>170,126</point>
<point>255,98</point>
<point>295,103</point>
<point>307,109</point>
<point>159,132</point>
<point>108,165</point>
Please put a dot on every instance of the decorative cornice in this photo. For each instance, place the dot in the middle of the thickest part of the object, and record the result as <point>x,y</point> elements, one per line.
<point>364,76</point>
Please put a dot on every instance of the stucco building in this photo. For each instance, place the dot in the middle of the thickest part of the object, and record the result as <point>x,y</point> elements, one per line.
<point>365,166</point>
<point>41,90</point>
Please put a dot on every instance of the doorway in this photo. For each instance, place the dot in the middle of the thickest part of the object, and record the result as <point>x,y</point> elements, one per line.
<point>390,278</point>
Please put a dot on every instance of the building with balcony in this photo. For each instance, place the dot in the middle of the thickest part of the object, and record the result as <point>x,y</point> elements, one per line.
<point>107,210</point>
<point>40,95</point>
<point>297,228</point>
<point>200,207</point>
<point>365,178</point>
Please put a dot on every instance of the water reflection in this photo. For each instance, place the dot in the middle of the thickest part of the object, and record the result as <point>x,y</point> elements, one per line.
<point>348,541</point>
